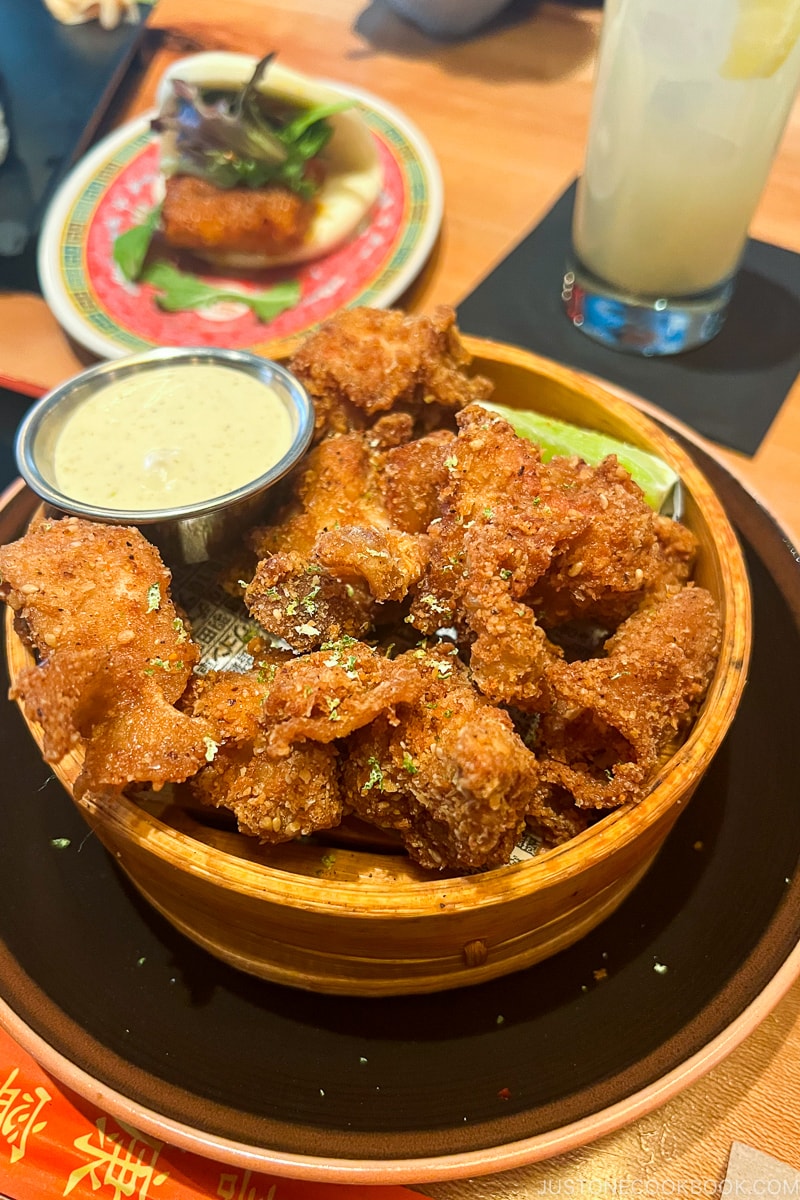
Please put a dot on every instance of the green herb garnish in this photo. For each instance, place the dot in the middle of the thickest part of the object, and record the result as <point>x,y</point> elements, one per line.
<point>375,775</point>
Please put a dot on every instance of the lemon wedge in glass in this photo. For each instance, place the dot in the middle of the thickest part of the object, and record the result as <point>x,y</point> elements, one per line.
<point>764,36</point>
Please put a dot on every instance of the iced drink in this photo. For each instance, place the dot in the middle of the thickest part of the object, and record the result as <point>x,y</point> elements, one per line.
<point>690,102</point>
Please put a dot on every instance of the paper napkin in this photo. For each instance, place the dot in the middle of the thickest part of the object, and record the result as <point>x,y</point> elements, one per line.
<point>53,1143</point>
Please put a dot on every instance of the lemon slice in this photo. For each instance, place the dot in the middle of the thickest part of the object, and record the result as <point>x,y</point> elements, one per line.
<point>765,35</point>
<point>657,480</point>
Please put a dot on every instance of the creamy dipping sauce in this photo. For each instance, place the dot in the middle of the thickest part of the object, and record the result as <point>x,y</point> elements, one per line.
<point>171,436</point>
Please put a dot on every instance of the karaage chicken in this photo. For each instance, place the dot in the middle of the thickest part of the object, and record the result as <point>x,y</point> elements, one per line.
<point>273,798</point>
<point>612,716</point>
<point>448,772</point>
<point>332,554</point>
<point>564,653</point>
<point>327,695</point>
<point>365,361</point>
<point>114,655</point>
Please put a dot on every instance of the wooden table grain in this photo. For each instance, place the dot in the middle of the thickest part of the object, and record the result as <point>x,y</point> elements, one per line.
<point>506,113</point>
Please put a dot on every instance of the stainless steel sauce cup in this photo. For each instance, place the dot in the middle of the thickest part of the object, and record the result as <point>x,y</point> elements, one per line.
<point>191,533</point>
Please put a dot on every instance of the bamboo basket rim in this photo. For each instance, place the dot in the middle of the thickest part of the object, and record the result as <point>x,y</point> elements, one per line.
<point>367,898</point>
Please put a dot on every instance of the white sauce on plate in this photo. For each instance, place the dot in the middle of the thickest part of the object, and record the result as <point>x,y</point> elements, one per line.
<point>171,436</point>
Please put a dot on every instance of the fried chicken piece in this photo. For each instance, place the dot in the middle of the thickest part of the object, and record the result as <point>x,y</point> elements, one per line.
<point>552,813</point>
<point>273,799</point>
<point>365,361</point>
<point>448,772</point>
<point>493,542</point>
<point>331,554</point>
<point>305,605</point>
<point>624,553</point>
<point>329,694</point>
<point>269,220</point>
<point>292,595</point>
<point>335,486</point>
<point>678,551</point>
<point>114,656</point>
<point>389,561</point>
<point>613,716</point>
<point>511,655</point>
<point>411,479</point>
<point>142,739</point>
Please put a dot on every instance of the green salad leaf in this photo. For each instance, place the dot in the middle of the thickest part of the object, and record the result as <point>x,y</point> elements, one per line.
<point>246,138</point>
<point>179,291</point>
<point>130,248</point>
<point>657,480</point>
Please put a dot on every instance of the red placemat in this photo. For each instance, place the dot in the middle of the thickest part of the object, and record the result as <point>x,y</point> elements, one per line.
<point>53,1143</point>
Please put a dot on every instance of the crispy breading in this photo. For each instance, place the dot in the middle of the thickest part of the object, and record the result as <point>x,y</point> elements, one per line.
<point>328,694</point>
<point>612,716</point>
<point>363,362</point>
<point>448,773</point>
<point>93,601</point>
<point>389,561</point>
<point>79,585</point>
<point>299,601</point>
<point>523,546</point>
<point>269,220</point>
<point>530,709</point>
<point>335,485</point>
<point>141,739</point>
<point>491,545</point>
<point>331,554</point>
<point>551,813</point>
<point>411,479</point>
<point>273,799</point>
<point>624,553</point>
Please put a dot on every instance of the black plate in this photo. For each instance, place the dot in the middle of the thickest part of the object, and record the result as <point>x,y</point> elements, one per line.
<point>359,1087</point>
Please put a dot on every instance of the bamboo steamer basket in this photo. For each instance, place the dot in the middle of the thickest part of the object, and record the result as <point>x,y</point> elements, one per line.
<point>359,918</point>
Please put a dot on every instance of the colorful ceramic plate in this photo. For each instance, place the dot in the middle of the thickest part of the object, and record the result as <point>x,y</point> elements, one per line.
<point>123,1009</point>
<point>115,184</point>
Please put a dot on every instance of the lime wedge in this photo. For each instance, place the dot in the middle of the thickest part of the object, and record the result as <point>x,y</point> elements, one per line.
<point>654,477</point>
<point>765,34</point>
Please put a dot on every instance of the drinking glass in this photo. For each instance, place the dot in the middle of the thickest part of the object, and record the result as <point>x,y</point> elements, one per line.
<point>691,98</point>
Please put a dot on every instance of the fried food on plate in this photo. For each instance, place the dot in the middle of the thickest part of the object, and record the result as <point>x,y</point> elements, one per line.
<point>524,546</point>
<point>332,555</point>
<point>263,166</point>
<point>366,361</point>
<point>326,695</point>
<point>114,656</point>
<point>198,216</point>
<point>412,477</point>
<point>613,716</point>
<point>447,772</point>
<point>566,650</point>
<point>625,553</point>
<point>490,546</point>
<point>273,798</point>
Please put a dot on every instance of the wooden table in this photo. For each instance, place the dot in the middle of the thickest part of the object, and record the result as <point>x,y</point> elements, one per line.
<point>506,113</point>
